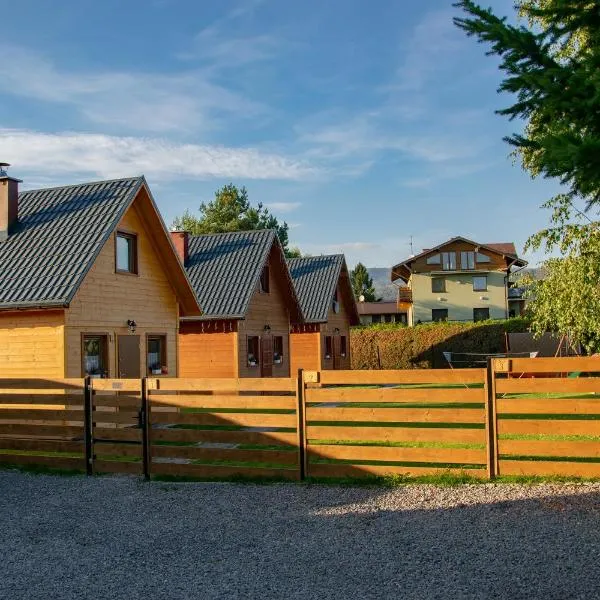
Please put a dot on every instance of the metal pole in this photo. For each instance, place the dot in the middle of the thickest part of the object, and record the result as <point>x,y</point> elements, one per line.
<point>88,424</point>
<point>145,423</point>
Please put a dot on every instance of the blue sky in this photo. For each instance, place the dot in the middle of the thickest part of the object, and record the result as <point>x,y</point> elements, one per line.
<point>359,123</point>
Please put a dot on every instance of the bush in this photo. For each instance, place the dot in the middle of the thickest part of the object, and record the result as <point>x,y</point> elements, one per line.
<point>394,346</point>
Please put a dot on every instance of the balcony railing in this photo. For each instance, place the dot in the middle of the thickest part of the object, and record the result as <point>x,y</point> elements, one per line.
<point>404,296</point>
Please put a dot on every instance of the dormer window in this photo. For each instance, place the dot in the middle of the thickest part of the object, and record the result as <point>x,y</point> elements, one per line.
<point>264,281</point>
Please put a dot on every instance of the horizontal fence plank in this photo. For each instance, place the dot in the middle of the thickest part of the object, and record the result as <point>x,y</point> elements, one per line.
<point>117,466</point>
<point>351,471</point>
<point>388,415</point>
<point>230,402</point>
<point>272,438</point>
<point>437,376</point>
<point>54,414</point>
<point>549,448</point>
<point>544,468</point>
<point>389,453</point>
<point>55,462</point>
<point>554,385</point>
<point>382,395</point>
<point>115,449</point>
<point>42,445</point>
<point>548,426</point>
<point>268,384</point>
<point>221,471</point>
<point>41,384</point>
<point>548,406</point>
<point>47,399</point>
<point>32,430</point>
<point>555,365</point>
<point>112,401</point>
<point>230,454</point>
<point>117,418</point>
<point>118,434</point>
<point>396,434</point>
<point>233,419</point>
<point>117,385</point>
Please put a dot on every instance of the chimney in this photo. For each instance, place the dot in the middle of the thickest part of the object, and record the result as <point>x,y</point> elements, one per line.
<point>9,202</point>
<point>180,240</point>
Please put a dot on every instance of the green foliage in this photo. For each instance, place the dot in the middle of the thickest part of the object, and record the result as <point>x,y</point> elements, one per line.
<point>362,284</point>
<point>392,346</point>
<point>231,211</point>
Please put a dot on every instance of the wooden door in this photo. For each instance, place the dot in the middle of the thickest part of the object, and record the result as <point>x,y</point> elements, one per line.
<point>129,356</point>
<point>266,356</point>
<point>337,352</point>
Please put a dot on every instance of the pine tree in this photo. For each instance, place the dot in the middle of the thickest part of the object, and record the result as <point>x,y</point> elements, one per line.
<point>362,284</point>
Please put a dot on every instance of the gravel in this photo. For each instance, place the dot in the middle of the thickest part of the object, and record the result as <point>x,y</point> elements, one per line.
<point>120,537</point>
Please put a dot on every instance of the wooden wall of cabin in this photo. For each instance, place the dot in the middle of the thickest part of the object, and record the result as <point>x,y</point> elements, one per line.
<point>305,349</point>
<point>266,309</point>
<point>32,344</point>
<point>208,349</point>
<point>106,300</point>
<point>336,321</point>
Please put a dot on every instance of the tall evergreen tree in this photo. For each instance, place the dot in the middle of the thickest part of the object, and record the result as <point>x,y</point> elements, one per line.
<point>362,284</point>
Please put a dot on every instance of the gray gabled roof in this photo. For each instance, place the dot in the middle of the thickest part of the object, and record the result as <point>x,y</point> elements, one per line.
<point>60,233</point>
<point>224,269</point>
<point>315,279</point>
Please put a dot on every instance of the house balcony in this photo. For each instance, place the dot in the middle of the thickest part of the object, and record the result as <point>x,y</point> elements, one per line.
<point>404,297</point>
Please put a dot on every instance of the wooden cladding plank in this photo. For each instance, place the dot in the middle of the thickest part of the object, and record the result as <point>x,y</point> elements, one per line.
<point>390,453</point>
<point>46,399</point>
<point>396,434</point>
<point>341,470</point>
<point>117,385</point>
<point>39,431</point>
<point>548,406</point>
<point>382,395</point>
<point>545,468</point>
<point>268,384</point>
<point>55,462</point>
<point>112,401</point>
<point>241,419</point>
<point>437,376</point>
<point>549,448</point>
<point>547,426</point>
<point>41,445</point>
<point>221,471</point>
<point>555,385</point>
<point>115,449</point>
<point>271,438</point>
<point>117,434</point>
<point>41,384</point>
<point>117,466</point>
<point>229,402</point>
<point>555,365</point>
<point>231,454</point>
<point>390,415</point>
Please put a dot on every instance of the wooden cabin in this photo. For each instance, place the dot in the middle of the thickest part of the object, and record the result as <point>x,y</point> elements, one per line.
<point>90,283</point>
<point>323,287</point>
<point>248,301</point>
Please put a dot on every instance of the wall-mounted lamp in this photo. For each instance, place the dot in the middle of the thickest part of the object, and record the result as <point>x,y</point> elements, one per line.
<point>267,329</point>
<point>336,330</point>
<point>131,324</point>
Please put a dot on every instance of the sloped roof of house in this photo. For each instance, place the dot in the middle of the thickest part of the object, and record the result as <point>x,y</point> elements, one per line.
<point>315,279</point>
<point>225,268</point>
<point>60,233</point>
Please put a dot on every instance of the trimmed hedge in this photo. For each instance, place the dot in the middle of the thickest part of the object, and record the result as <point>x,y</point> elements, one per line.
<point>394,346</point>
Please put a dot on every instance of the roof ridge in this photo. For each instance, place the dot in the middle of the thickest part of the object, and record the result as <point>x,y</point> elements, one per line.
<point>84,183</point>
<point>242,231</point>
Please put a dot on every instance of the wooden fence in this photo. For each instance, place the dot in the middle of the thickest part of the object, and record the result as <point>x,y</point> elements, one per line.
<point>517,417</point>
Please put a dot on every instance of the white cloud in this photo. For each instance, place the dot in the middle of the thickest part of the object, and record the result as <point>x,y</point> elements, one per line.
<point>283,207</point>
<point>58,155</point>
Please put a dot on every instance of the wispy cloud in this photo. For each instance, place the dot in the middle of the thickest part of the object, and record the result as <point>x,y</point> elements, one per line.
<point>283,207</point>
<point>74,155</point>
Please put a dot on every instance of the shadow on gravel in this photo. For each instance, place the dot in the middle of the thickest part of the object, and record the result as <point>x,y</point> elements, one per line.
<point>122,538</point>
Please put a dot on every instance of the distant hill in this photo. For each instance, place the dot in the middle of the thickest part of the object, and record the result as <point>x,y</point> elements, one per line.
<point>384,288</point>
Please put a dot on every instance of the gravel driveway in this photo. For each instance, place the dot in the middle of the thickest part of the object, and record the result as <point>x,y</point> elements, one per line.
<point>119,537</point>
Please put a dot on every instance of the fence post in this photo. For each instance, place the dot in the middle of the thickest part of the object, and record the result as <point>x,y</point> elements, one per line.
<point>301,424</point>
<point>490,420</point>
<point>145,428</point>
<point>88,425</point>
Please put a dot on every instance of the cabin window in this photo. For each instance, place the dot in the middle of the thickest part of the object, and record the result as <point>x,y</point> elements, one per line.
<point>156,354</point>
<point>467,260</point>
<point>95,355</point>
<point>481,314</point>
<point>264,280</point>
<point>335,303</point>
<point>434,259</point>
<point>483,258</point>
<point>343,346</point>
<point>376,319</point>
<point>278,349</point>
<point>480,283</point>
<point>253,350</point>
<point>449,261</point>
<point>438,284</point>
<point>328,347</point>
<point>439,314</point>
<point>126,253</point>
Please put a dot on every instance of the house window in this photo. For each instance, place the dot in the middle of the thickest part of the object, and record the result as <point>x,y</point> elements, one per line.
<point>438,284</point>
<point>483,258</point>
<point>328,347</point>
<point>387,318</point>
<point>376,319</point>
<point>156,354</point>
<point>335,304</point>
<point>277,349</point>
<point>467,260</point>
<point>439,314</point>
<point>264,280</point>
<point>95,355</point>
<point>481,314</point>
<point>434,259</point>
<point>480,283</point>
<point>449,261</point>
<point>253,350</point>
<point>126,253</point>
<point>343,346</point>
